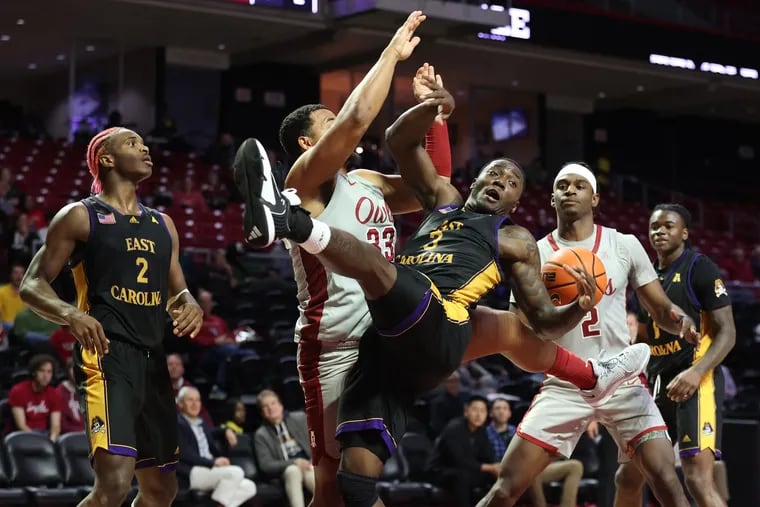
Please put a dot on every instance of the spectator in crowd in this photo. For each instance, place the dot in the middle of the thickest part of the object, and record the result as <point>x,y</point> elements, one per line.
<point>12,195</point>
<point>282,447</point>
<point>632,320</point>
<point>738,267</point>
<point>33,330</point>
<point>35,216</point>
<point>10,301</point>
<point>543,224</point>
<point>35,404</point>
<point>567,471</point>
<point>218,343</point>
<point>219,279</point>
<point>463,459</point>
<point>201,464</point>
<point>71,413</point>
<point>235,416</point>
<point>176,368</point>
<point>215,191</point>
<point>448,404</point>
<point>25,242</point>
<point>499,431</point>
<point>222,152</point>
<point>189,197</point>
<point>63,342</point>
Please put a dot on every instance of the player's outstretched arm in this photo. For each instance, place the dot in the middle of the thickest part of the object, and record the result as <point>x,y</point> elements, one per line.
<point>186,313</point>
<point>405,138</point>
<point>70,225</point>
<point>322,162</point>
<point>520,257</point>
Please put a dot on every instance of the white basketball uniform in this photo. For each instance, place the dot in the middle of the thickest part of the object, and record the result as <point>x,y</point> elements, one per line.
<point>333,310</point>
<point>558,415</point>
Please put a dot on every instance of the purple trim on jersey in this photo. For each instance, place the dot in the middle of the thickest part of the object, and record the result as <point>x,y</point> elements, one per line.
<point>692,295</point>
<point>163,222</point>
<point>498,227</point>
<point>411,318</point>
<point>153,462</point>
<point>91,212</point>
<point>690,453</point>
<point>451,207</point>
<point>370,424</point>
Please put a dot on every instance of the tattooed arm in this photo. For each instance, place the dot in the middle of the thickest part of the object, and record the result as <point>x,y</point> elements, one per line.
<point>519,257</point>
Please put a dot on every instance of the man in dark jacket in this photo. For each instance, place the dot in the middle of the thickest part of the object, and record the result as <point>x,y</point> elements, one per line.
<point>282,447</point>
<point>200,462</point>
<point>463,458</point>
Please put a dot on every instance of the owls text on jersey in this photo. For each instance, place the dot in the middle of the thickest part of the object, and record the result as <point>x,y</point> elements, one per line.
<point>332,307</point>
<point>603,332</point>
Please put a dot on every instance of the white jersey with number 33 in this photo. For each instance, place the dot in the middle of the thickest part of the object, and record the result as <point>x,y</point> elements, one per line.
<point>603,332</point>
<point>333,307</point>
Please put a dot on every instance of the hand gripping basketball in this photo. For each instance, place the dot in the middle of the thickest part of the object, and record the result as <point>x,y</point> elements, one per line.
<point>574,273</point>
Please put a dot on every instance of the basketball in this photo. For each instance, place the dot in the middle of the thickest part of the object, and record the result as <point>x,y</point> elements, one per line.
<point>561,285</point>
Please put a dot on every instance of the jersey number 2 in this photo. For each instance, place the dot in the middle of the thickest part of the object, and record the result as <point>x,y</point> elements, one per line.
<point>384,239</point>
<point>143,263</point>
<point>590,325</point>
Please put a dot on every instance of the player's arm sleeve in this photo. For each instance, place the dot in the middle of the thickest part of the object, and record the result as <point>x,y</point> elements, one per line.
<point>708,286</point>
<point>641,271</point>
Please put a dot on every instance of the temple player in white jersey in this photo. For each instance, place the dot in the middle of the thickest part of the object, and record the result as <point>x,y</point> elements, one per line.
<point>333,310</point>
<point>559,415</point>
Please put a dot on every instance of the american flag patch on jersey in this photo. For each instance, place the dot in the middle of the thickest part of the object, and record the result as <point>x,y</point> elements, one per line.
<point>106,219</point>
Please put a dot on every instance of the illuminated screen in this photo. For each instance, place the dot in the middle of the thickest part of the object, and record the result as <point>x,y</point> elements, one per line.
<point>293,5</point>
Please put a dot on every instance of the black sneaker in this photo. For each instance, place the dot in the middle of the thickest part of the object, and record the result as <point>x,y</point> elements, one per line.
<point>269,214</point>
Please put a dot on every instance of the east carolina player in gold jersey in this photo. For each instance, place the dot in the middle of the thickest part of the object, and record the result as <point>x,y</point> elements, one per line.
<point>124,257</point>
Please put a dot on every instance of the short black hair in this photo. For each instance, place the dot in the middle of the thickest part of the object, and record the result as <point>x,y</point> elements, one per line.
<point>297,124</point>
<point>506,162</point>
<point>476,397</point>
<point>38,361</point>
<point>676,208</point>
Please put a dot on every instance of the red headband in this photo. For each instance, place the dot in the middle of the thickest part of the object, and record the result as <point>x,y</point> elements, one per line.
<point>94,150</point>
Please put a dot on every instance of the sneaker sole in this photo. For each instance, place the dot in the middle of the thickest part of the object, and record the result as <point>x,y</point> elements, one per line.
<point>643,366</point>
<point>252,174</point>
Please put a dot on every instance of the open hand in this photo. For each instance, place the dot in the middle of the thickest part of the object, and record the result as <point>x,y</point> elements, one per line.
<point>88,332</point>
<point>404,41</point>
<point>187,319</point>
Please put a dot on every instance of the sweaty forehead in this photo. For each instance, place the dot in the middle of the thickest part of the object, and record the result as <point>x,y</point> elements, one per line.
<point>503,168</point>
<point>321,115</point>
<point>120,136</point>
<point>664,216</point>
<point>573,179</point>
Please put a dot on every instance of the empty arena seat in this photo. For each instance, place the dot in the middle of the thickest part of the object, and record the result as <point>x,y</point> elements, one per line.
<point>75,458</point>
<point>33,465</point>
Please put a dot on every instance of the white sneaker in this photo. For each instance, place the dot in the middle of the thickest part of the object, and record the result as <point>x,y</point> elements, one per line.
<point>612,372</point>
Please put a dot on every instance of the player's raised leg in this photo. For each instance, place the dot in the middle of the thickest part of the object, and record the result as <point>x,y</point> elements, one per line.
<point>501,332</point>
<point>271,214</point>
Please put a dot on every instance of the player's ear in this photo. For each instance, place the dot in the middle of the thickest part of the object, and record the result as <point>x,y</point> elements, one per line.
<point>685,234</point>
<point>595,200</point>
<point>514,208</point>
<point>106,160</point>
<point>305,142</point>
<point>554,204</point>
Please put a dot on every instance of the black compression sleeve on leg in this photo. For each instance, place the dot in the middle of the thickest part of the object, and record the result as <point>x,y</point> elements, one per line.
<point>357,490</point>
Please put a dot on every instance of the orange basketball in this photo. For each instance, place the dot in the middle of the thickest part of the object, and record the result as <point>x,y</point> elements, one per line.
<point>561,285</point>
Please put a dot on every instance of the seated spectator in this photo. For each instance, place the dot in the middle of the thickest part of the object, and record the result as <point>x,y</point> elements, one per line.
<point>738,267</point>
<point>215,192</point>
<point>499,431</point>
<point>10,301</point>
<point>282,447</point>
<point>219,279</point>
<point>200,462</point>
<point>176,368</point>
<point>35,404</point>
<point>235,416</point>
<point>63,342</point>
<point>25,242</point>
<point>567,471</point>
<point>189,197</point>
<point>448,404</point>
<point>462,458</point>
<point>33,330</point>
<point>218,343</point>
<point>35,216</point>
<point>71,412</point>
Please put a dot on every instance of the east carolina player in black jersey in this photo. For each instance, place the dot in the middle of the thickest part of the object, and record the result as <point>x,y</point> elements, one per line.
<point>420,304</point>
<point>125,262</point>
<point>686,380</point>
